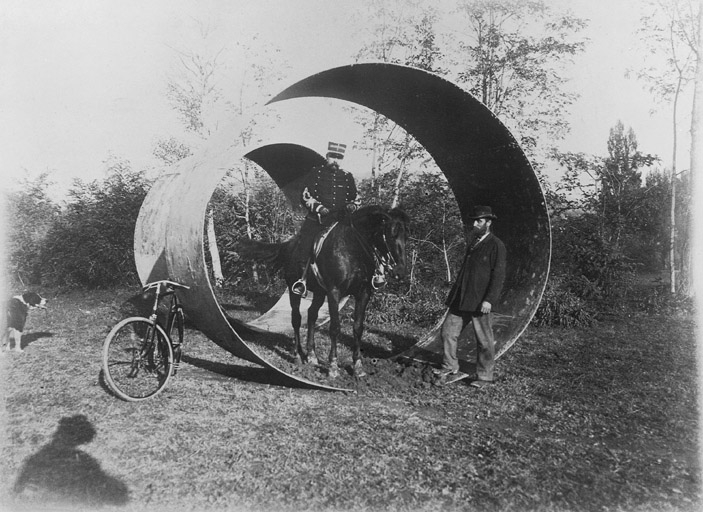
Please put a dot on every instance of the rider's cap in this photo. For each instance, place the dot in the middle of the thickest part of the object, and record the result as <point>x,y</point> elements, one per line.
<point>336,150</point>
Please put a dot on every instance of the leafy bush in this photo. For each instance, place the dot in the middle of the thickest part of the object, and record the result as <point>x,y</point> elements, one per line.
<point>92,244</point>
<point>563,306</point>
<point>659,300</point>
<point>423,306</point>
<point>31,214</point>
<point>583,247</point>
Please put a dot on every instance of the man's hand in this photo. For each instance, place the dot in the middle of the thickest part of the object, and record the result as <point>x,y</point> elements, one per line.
<point>309,201</point>
<point>485,307</point>
<point>323,211</point>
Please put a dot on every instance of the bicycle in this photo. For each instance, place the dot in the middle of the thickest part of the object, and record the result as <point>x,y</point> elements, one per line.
<point>141,354</point>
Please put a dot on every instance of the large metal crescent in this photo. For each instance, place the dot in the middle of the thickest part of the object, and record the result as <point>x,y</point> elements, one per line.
<point>482,161</point>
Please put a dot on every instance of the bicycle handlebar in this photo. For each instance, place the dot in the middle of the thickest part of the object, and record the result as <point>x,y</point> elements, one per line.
<point>165,282</point>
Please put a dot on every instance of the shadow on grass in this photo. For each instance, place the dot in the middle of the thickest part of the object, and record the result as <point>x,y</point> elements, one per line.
<point>399,343</point>
<point>61,473</point>
<point>31,337</point>
<point>254,375</point>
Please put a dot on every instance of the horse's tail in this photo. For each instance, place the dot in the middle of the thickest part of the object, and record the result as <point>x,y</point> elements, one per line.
<point>274,255</point>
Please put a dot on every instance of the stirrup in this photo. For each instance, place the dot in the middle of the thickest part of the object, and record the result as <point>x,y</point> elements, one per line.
<point>299,288</point>
<point>378,281</point>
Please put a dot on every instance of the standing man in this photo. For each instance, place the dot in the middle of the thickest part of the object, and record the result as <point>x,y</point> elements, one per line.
<point>329,194</point>
<point>472,297</point>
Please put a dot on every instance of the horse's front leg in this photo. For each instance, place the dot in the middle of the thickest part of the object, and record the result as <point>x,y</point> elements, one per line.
<point>318,299</point>
<point>333,298</point>
<point>296,320</point>
<point>360,304</point>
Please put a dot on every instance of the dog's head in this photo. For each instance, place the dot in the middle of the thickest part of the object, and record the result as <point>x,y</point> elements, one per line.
<point>34,300</point>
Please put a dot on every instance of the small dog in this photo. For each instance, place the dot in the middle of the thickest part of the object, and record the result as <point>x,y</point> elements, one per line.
<point>17,310</point>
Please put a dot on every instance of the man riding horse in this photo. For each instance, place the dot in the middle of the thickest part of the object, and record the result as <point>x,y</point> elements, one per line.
<point>351,262</point>
<point>329,194</point>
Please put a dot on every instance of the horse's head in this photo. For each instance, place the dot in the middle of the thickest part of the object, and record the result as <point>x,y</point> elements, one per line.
<point>395,232</point>
<point>386,230</point>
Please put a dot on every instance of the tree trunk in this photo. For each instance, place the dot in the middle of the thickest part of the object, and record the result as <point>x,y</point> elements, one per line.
<point>697,169</point>
<point>247,216</point>
<point>374,163</point>
<point>214,251</point>
<point>401,172</point>
<point>445,254</point>
<point>672,236</point>
<point>413,261</point>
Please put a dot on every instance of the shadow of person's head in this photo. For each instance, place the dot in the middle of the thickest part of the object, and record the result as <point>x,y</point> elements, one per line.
<point>61,473</point>
<point>74,431</point>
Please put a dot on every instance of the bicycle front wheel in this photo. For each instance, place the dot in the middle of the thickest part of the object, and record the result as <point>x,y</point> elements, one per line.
<point>137,359</point>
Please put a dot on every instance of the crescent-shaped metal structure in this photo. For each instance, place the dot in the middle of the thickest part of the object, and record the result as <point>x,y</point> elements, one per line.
<point>481,160</point>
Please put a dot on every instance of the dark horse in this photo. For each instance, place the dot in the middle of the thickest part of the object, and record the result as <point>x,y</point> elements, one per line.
<point>346,262</point>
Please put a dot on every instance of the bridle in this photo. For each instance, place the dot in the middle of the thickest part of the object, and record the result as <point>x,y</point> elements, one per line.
<point>383,256</point>
<point>387,259</point>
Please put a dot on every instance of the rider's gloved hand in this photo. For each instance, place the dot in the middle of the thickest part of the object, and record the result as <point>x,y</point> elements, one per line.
<point>323,211</point>
<point>352,207</point>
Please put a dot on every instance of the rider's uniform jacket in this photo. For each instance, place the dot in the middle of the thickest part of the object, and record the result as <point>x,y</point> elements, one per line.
<point>331,187</point>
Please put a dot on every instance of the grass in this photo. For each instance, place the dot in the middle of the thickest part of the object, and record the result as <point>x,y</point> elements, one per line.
<point>603,419</point>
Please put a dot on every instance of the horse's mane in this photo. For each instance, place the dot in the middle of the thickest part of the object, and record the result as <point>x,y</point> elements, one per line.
<point>366,212</point>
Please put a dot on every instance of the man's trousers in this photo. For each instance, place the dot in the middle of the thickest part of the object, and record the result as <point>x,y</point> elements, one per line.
<point>452,327</point>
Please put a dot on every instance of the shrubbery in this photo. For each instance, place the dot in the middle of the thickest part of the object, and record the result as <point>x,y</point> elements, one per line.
<point>564,306</point>
<point>423,306</point>
<point>89,243</point>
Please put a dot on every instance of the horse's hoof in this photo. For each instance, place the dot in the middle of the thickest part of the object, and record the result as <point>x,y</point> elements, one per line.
<point>333,372</point>
<point>359,370</point>
<point>313,360</point>
<point>298,360</point>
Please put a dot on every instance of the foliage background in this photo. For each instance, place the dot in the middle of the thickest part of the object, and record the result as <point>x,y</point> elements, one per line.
<point>609,212</point>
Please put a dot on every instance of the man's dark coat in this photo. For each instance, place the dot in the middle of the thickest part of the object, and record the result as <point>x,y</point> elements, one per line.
<point>481,276</point>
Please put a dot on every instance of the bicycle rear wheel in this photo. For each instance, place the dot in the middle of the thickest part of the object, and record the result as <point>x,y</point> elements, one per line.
<point>137,359</point>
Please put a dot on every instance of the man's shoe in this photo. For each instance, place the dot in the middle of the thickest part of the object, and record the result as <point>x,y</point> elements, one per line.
<point>444,372</point>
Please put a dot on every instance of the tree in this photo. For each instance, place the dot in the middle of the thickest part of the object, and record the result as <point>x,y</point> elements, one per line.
<point>437,233</point>
<point>620,179</point>
<point>671,29</point>
<point>606,223</point>
<point>513,55</point>
<point>697,157</point>
<point>196,93</point>
<point>399,32</point>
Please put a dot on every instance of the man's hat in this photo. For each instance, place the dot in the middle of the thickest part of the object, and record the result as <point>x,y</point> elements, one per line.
<point>336,150</point>
<point>482,212</point>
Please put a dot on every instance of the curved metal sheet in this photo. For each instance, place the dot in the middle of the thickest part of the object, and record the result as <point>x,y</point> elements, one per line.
<point>288,165</point>
<point>169,241</point>
<point>482,162</point>
<point>479,156</point>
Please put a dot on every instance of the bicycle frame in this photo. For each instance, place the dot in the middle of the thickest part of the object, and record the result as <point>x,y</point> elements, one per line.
<point>175,310</point>
<point>162,289</point>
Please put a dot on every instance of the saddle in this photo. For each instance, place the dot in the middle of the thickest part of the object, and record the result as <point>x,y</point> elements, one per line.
<point>316,248</point>
<point>300,288</point>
